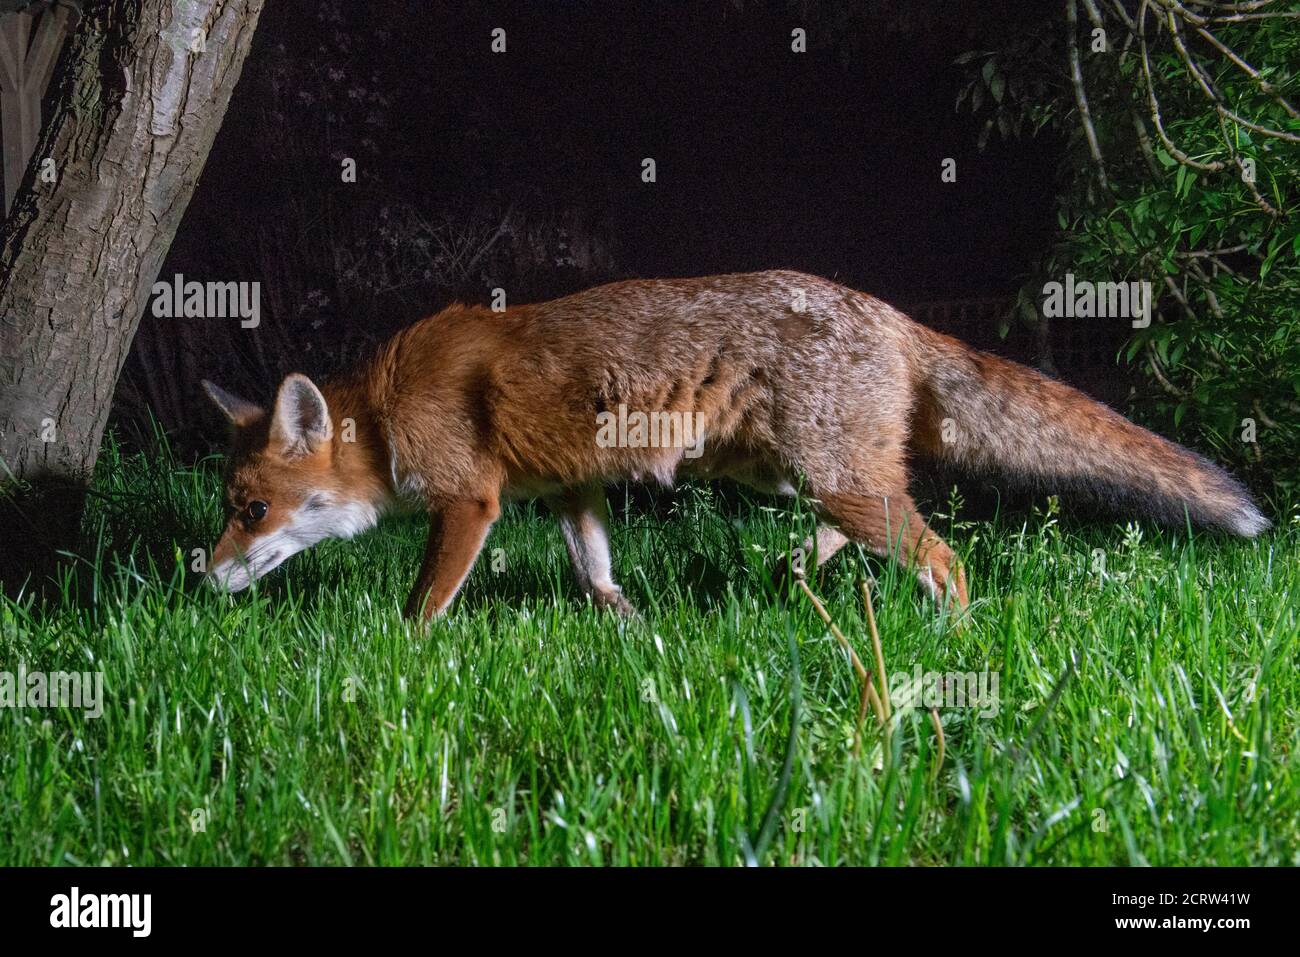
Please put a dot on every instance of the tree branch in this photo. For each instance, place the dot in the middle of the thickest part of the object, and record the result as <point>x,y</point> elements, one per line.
<point>1080,95</point>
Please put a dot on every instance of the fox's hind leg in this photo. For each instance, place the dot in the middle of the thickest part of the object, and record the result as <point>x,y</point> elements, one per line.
<point>825,545</point>
<point>891,526</point>
<point>583,514</point>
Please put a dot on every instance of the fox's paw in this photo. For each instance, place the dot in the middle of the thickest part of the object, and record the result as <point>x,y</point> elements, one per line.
<point>783,573</point>
<point>612,598</point>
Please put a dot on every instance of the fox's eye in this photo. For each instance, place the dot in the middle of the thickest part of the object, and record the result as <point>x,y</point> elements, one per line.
<point>257,510</point>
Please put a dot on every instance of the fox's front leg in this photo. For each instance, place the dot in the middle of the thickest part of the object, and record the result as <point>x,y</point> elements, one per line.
<point>584,521</point>
<point>456,535</point>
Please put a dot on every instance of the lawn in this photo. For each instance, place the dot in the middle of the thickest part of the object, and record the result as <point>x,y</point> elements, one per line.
<point>1146,709</point>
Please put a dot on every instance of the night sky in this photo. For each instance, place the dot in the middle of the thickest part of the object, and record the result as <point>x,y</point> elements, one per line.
<point>827,161</point>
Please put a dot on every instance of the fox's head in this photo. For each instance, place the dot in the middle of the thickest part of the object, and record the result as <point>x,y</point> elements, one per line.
<point>286,487</point>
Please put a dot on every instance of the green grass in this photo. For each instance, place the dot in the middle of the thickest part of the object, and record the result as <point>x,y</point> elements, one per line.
<point>1147,717</point>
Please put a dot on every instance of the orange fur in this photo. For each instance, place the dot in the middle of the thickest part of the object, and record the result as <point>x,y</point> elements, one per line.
<point>791,378</point>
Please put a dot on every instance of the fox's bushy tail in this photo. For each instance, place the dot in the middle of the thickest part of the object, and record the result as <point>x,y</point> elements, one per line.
<point>987,415</point>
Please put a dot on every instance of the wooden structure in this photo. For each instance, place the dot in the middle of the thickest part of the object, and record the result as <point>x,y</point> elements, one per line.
<point>31,37</point>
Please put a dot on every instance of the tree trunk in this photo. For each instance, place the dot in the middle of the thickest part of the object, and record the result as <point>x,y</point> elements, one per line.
<point>143,88</point>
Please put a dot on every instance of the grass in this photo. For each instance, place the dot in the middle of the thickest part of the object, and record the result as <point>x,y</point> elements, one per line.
<point>1147,715</point>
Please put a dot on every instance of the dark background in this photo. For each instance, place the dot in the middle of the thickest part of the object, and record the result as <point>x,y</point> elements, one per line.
<point>827,161</point>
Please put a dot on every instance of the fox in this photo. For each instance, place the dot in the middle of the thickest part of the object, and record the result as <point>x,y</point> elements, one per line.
<point>790,384</point>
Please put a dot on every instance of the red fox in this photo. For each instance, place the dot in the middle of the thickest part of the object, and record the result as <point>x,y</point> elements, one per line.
<point>774,379</point>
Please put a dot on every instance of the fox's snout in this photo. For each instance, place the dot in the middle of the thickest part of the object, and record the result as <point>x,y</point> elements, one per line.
<point>231,580</point>
<point>231,576</point>
<point>240,558</point>
<point>232,570</point>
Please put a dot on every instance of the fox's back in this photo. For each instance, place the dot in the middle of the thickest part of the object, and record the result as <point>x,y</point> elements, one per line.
<point>650,342</point>
<point>761,358</point>
<point>749,313</point>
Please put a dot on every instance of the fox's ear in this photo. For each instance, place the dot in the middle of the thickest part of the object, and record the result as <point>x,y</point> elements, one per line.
<point>239,411</point>
<point>301,423</point>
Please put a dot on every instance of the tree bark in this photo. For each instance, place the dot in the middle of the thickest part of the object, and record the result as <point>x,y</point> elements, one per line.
<point>143,88</point>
